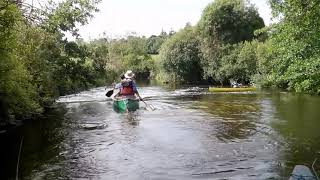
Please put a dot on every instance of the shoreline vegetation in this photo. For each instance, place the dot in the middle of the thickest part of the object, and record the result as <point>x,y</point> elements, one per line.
<point>230,42</point>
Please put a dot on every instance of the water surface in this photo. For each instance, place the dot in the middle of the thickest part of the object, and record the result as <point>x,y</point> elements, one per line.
<point>192,134</point>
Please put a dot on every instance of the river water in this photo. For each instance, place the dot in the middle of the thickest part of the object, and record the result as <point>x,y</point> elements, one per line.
<point>191,134</point>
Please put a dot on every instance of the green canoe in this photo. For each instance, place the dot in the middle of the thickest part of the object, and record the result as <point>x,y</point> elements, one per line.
<point>240,89</point>
<point>124,104</point>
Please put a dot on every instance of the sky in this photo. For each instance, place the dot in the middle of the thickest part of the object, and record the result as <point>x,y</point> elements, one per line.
<point>118,18</point>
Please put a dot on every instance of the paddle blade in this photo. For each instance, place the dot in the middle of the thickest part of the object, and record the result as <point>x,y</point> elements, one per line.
<point>109,93</point>
<point>148,107</point>
<point>115,92</point>
<point>152,107</point>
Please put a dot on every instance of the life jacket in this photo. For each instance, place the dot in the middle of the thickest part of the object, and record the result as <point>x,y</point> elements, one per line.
<point>127,88</point>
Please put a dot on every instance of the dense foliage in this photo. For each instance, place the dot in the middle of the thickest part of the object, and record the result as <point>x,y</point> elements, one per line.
<point>223,24</point>
<point>131,53</point>
<point>226,21</point>
<point>181,57</point>
<point>37,63</point>
<point>238,63</point>
<point>220,50</point>
<point>154,42</point>
<point>295,43</point>
<point>17,94</point>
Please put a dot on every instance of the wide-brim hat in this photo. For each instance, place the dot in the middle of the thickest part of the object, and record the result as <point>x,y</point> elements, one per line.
<point>129,74</point>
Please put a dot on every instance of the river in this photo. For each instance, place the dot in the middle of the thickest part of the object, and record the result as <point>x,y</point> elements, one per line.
<point>191,134</point>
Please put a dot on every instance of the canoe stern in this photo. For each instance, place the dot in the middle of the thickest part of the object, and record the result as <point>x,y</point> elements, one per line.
<point>122,105</point>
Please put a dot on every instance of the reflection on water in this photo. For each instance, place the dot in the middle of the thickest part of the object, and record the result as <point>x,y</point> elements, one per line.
<point>298,122</point>
<point>236,115</point>
<point>192,134</point>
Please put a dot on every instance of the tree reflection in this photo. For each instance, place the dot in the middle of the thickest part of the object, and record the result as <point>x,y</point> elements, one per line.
<point>234,115</point>
<point>297,120</point>
<point>132,118</point>
<point>42,139</point>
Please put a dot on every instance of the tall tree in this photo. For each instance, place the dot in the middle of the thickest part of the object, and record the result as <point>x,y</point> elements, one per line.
<point>18,98</point>
<point>225,22</point>
<point>229,21</point>
<point>35,58</point>
<point>180,57</point>
<point>66,15</point>
<point>296,46</point>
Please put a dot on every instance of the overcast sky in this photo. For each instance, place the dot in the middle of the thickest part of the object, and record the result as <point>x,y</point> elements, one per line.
<point>146,17</point>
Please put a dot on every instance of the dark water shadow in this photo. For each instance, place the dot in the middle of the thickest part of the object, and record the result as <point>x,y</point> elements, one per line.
<point>297,120</point>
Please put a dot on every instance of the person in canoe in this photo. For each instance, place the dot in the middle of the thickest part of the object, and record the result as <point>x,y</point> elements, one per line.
<point>127,91</point>
<point>127,87</point>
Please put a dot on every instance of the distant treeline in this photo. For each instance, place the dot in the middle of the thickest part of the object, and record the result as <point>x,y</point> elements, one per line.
<point>230,42</point>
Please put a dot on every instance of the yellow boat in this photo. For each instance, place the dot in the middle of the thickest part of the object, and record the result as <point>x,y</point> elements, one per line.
<point>239,89</point>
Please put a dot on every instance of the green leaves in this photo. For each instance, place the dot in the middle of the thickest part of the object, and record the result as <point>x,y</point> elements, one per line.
<point>226,21</point>
<point>224,25</point>
<point>180,57</point>
<point>36,64</point>
<point>18,98</point>
<point>154,43</point>
<point>296,46</point>
<point>66,15</point>
<point>130,53</point>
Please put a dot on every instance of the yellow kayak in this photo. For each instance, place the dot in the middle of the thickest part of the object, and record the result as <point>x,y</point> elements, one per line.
<point>239,89</point>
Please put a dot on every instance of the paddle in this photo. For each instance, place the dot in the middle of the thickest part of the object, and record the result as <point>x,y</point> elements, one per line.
<point>109,93</point>
<point>151,107</point>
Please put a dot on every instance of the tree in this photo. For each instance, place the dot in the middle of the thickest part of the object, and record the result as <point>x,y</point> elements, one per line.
<point>38,50</point>
<point>225,22</point>
<point>36,64</point>
<point>239,62</point>
<point>100,51</point>
<point>17,95</point>
<point>131,53</point>
<point>67,14</point>
<point>154,43</point>
<point>229,21</point>
<point>180,57</point>
<point>296,45</point>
